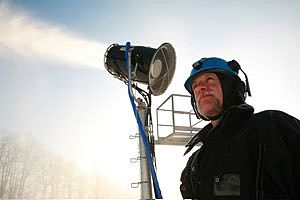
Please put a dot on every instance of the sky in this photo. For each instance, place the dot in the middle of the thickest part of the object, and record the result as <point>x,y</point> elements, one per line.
<point>54,84</point>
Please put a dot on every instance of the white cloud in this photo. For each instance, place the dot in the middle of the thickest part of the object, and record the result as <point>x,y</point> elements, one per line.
<point>35,39</point>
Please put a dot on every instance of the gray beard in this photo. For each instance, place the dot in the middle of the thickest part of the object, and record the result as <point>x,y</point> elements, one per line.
<point>218,109</point>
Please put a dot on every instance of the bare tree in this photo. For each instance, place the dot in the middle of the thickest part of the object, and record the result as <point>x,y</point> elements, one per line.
<point>28,157</point>
<point>8,149</point>
<point>29,171</point>
<point>13,178</point>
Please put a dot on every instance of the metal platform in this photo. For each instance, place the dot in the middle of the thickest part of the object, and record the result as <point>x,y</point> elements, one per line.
<point>180,123</point>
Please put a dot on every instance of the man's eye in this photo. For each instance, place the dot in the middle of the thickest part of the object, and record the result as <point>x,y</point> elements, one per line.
<point>194,86</point>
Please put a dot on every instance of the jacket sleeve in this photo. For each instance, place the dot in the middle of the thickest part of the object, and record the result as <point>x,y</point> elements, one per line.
<point>288,129</point>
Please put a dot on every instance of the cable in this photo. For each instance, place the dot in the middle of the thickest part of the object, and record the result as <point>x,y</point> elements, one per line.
<point>141,128</point>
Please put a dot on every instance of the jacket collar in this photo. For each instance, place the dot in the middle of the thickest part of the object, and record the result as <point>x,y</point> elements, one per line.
<point>230,117</point>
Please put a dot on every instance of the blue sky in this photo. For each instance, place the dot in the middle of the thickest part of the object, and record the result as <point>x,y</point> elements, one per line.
<point>53,83</point>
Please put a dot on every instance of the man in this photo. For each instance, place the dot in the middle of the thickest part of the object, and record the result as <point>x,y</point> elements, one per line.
<point>243,155</point>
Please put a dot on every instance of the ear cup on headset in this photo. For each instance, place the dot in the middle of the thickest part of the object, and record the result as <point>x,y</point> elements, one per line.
<point>241,91</point>
<point>234,65</point>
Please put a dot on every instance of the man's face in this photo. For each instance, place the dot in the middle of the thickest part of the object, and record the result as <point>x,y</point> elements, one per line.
<point>208,94</point>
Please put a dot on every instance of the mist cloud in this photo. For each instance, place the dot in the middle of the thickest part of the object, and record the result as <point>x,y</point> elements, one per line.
<point>33,38</point>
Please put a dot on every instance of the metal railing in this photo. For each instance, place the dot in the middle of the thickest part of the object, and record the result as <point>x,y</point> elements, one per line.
<point>183,123</point>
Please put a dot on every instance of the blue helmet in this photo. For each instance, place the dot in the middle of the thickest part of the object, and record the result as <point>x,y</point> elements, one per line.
<point>212,64</point>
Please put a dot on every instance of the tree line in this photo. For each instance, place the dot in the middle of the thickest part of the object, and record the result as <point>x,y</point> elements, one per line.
<point>29,171</point>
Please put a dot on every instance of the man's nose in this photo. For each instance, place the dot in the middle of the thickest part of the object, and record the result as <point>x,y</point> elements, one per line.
<point>200,88</point>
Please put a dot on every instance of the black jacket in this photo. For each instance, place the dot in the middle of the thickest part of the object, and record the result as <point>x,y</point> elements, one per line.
<point>246,156</point>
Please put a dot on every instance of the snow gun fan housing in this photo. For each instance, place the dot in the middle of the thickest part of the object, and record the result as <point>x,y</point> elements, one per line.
<point>153,67</point>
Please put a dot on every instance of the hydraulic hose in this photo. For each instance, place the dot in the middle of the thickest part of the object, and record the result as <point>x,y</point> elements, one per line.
<point>141,127</point>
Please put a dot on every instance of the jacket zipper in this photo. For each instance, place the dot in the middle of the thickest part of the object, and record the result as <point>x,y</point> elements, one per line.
<point>260,171</point>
